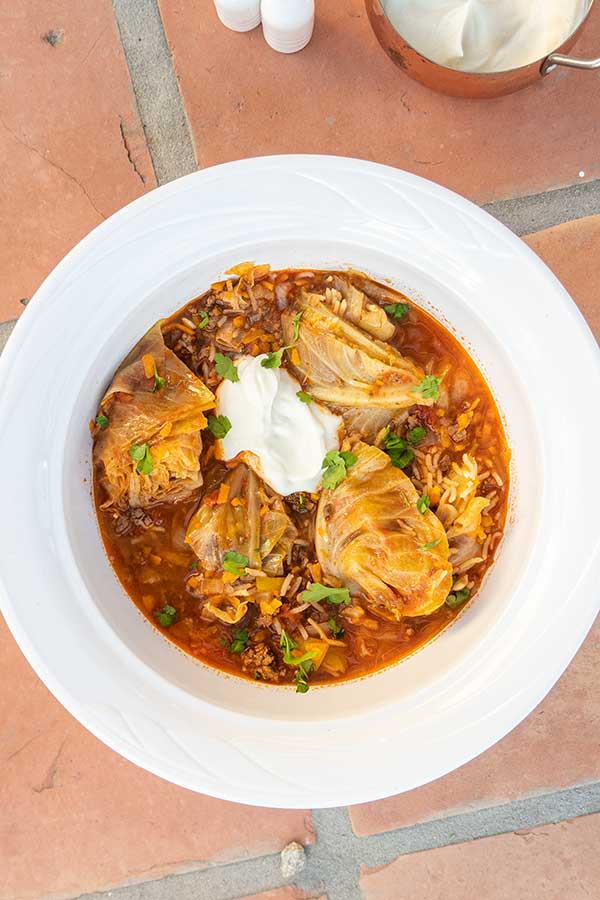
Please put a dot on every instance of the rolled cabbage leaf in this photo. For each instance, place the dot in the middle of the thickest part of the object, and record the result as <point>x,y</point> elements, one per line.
<point>154,399</point>
<point>253,525</point>
<point>341,364</point>
<point>371,537</point>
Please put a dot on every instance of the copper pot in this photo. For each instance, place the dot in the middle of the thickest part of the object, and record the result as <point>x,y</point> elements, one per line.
<point>477,85</point>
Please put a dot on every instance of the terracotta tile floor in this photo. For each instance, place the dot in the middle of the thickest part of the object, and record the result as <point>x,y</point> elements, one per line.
<point>61,788</point>
<point>74,150</point>
<point>71,143</point>
<point>342,95</point>
<point>554,862</point>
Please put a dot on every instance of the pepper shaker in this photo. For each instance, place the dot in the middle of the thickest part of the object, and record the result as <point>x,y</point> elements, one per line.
<point>287,24</point>
<point>238,15</point>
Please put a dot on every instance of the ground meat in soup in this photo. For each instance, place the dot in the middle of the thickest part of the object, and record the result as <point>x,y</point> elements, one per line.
<point>428,485</point>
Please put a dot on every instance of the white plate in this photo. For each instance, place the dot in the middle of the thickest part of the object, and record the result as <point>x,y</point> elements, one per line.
<point>248,742</point>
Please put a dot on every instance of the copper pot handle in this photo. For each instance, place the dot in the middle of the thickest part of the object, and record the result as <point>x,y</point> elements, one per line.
<point>557,59</point>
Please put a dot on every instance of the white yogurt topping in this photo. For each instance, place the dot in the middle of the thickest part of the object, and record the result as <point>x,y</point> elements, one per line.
<point>289,438</point>
<point>485,35</point>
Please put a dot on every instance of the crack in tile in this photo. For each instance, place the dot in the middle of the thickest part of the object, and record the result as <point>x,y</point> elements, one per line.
<point>91,50</point>
<point>53,164</point>
<point>48,782</point>
<point>125,143</point>
<point>22,747</point>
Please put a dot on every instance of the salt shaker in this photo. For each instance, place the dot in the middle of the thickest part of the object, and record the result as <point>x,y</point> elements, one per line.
<point>287,24</point>
<point>239,15</point>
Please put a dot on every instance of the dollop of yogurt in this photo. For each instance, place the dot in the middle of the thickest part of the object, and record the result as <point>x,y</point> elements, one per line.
<point>286,437</point>
<point>485,35</point>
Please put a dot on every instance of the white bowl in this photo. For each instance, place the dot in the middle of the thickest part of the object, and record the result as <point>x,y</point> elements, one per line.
<point>245,741</point>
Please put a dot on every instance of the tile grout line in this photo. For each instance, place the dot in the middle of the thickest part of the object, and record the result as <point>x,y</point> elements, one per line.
<point>536,212</point>
<point>156,89</point>
<point>334,862</point>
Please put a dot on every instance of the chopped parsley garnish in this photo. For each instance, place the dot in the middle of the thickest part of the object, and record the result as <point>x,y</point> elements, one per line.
<point>301,501</point>
<point>159,381</point>
<point>304,397</point>
<point>219,426</point>
<point>273,358</point>
<point>336,464</point>
<point>397,449</point>
<point>296,326</point>
<point>202,319</point>
<point>457,598</point>
<point>287,645</point>
<point>165,616</point>
<point>224,642</point>
<point>416,435</point>
<point>240,639</point>
<point>423,504</point>
<point>235,563</point>
<point>430,545</point>
<point>428,388</point>
<point>140,453</point>
<point>397,310</point>
<point>101,421</point>
<point>316,592</point>
<point>225,367</point>
<point>301,677</point>
<point>336,629</point>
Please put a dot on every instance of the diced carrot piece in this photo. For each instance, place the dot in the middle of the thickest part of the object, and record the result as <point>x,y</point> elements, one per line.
<point>223,494</point>
<point>315,571</point>
<point>295,356</point>
<point>148,364</point>
<point>228,577</point>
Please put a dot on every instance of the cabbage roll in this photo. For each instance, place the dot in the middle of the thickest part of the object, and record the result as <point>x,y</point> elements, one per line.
<point>248,523</point>
<point>148,449</point>
<point>371,537</point>
<point>342,365</point>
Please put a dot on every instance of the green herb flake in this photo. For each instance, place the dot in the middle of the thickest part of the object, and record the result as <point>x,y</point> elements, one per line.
<point>423,504</point>
<point>224,642</point>
<point>159,381</point>
<point>430,545</point>
<point>457,598</point>
<point>165,616</point>
<point>273,359</point>
<point>428,388</point>
<point>101,421</point>
<point>240,640</point>
<point>296,326</point>
<point>400,454</point>
<point>202,319</point>
<point>219,426</point>
<point>301,677</point>
<point>140,453</point>
<point>301,501</point>
<point>336,629</point>
<point>336,465</point>
<point>397,311</point>
<point>316,592</point>
<point>304,397</point>
<point>287,644</point>
<point>235,563</point>
<point>416,435</point>
<point>194,566</point>
<point>225,367</point>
